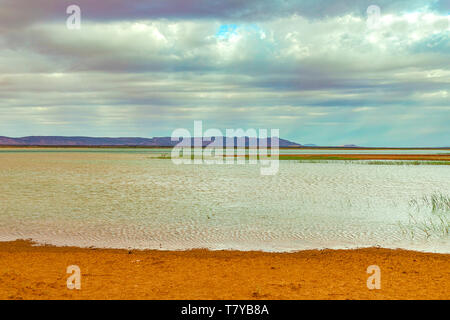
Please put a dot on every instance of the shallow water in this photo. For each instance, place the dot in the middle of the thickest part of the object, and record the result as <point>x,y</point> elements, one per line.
<point>168,150</point>
<point>128,200</point>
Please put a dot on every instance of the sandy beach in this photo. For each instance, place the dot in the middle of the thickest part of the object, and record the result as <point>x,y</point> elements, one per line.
<point>28,271</point>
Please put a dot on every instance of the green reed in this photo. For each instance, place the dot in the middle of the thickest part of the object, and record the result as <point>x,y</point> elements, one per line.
<point>436,221</point>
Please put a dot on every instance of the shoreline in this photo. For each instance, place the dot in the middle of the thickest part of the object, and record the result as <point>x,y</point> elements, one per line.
<point>443,157</point>
<point>18,146</point>
<point>37,243</point>
<point>33,271</point>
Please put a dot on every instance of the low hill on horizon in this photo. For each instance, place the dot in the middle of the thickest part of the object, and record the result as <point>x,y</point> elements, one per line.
<point>105,141</point>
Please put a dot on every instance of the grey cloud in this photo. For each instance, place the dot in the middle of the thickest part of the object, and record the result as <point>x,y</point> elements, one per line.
<point>148,67</point>
<point>17,13</point>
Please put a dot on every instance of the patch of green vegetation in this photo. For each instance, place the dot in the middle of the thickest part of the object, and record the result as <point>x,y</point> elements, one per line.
<point>246,157</point>
<point>314,158</point>
<point>408,162</point>
<point>435,222</point>
<point>378,162</point>
<point>163,156</point>
<point>334,159</point>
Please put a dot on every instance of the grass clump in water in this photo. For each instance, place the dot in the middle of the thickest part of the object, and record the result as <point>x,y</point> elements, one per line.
<point>435,223</point>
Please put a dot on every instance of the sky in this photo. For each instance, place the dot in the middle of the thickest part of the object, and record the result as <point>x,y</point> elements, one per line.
<point>323,72</point>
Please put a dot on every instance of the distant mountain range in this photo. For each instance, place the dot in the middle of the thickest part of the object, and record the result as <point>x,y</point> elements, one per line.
<point>135,142</point>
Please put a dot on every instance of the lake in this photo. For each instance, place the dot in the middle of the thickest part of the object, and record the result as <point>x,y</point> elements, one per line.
<point>118,198</point>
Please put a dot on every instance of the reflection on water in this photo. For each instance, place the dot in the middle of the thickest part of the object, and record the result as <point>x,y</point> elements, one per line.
<point>126,199</point>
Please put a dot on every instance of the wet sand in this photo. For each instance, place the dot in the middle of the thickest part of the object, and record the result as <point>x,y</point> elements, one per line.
<point>39,272</point>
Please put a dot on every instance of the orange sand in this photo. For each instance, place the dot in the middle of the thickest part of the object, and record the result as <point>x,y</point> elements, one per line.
<point>39,272</point>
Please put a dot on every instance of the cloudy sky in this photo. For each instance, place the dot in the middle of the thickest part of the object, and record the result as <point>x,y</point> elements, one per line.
<point>323,72</point>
